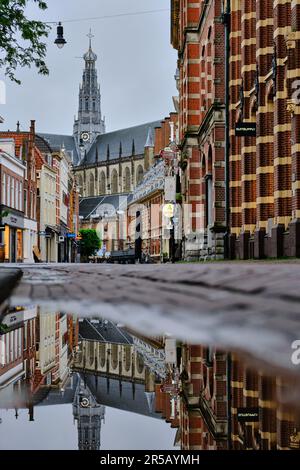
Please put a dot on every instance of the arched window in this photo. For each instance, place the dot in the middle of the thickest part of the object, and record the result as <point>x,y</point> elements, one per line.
<point>102,183</point>
<point>114,182</point>
<point>127,180</point>
<point>139,174</point>
<point>80,185</point>
<point>91,185</point>
<point>87,105</point>
<point>114,356</point>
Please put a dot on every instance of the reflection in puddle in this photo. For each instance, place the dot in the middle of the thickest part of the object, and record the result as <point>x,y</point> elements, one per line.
<point>100,370</point>
<point>69,383</point>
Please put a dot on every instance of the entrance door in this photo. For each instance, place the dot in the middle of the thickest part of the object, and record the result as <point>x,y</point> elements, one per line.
<point>13,243</point>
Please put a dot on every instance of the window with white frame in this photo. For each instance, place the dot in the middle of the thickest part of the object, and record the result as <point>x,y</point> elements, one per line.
<point>4,189</point>
<point>8,190</point>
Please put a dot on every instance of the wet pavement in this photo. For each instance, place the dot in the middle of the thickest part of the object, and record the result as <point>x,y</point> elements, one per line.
<point>251,308</point>
<point>88,351</point>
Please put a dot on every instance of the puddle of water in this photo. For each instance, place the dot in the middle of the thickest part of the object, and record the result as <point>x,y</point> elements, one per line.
<point>78,382</point>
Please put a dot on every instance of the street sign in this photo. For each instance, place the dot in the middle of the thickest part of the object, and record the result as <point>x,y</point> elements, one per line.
<point>71,235</point>
<point>245,129</point>
<point>170,388</point>
<point>168,154</point>
<point>168,210</point>
<point>248,415</point>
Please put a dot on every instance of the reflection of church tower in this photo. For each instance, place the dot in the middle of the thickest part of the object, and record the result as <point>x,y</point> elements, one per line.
<point>89,123</point>
<point>89,416</point>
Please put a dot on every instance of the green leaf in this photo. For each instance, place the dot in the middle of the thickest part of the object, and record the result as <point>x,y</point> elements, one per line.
<point>21,39</point>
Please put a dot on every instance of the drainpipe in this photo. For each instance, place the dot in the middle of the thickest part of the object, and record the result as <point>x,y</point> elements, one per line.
<point>226,21</point>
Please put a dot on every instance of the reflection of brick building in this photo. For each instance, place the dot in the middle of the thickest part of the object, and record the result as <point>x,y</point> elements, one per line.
<point>198,35</point>
<point>204,405</point>
<point>259,415</point>
<point>264,169</point>
<point>277,423</point>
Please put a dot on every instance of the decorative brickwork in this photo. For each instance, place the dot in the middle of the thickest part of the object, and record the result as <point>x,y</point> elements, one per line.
<point>198,34</point>
<point>264,67</point>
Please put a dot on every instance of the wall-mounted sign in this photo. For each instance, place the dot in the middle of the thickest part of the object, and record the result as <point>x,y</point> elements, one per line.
<point>168,210</point>
<point>61,239</point>
<point>248,415</point>
<point>245,129</point>
<point>71,235</point>
<point>13,221</point>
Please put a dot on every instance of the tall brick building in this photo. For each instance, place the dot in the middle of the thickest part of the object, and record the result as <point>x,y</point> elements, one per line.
<point>264,163</point>
<point>197,33</point>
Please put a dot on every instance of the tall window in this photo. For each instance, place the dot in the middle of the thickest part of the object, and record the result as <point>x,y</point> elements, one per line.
<point>127,182</point>
<point>102,183</point>
<point>139,174</point>
<point>91,185</point>
<point>8,190</point>
<point>4,189</point>
<point>114,182</point>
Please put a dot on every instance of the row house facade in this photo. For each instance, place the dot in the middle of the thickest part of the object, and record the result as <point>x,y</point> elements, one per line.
<point>36,349</point>
<point>39,201</point>
<point>12,204</point>
<point>264,164</point>
<point>19,227</point>
<point>197,33</point>
<point>146,218</point>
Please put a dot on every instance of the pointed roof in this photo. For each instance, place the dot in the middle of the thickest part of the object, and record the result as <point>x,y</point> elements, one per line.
<point>149,141</point>
<point>90,55</point>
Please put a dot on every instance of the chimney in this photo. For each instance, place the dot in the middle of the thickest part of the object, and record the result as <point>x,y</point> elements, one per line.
<point>32,130</point>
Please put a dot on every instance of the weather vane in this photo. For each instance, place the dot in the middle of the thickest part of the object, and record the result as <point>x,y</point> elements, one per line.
<point>90,36</point>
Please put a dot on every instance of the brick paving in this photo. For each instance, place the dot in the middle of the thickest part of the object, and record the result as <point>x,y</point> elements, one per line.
<point>253,308</point>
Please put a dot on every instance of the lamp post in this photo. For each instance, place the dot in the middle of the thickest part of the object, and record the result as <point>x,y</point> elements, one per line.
<point>60,40</point>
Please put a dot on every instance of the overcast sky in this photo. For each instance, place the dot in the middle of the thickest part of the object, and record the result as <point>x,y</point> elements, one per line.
<point>136,66</point>
<point>54,429</point>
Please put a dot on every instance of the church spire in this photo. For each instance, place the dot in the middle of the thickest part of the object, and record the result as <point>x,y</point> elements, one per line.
<point>90,36</point>
<point>89,123</point>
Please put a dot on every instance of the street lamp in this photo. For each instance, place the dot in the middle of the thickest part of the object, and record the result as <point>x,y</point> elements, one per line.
<point>60,40</point>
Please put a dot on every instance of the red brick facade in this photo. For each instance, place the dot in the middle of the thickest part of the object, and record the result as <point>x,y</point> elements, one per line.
<point>264,169</point>
<point>198,35</point>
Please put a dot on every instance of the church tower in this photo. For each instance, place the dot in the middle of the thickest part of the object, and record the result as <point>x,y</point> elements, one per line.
<point>89,416</point>
<point>89,123</point>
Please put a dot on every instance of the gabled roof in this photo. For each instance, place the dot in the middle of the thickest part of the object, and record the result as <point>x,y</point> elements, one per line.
<point>19,137</point>
<point>92,205</point>
<point>103,331</point>
<point>58,141</point>
<point>122,142</point>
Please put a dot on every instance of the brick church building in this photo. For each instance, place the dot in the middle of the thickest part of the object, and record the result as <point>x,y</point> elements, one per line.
<point>105,163</point>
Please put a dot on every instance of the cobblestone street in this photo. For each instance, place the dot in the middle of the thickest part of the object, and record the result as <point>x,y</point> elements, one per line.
<point>251,308</point>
